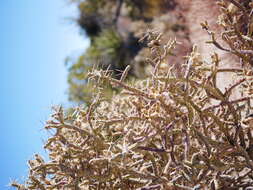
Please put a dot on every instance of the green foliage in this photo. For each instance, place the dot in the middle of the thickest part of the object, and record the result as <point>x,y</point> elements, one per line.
<point>113,45</point>
<point>91,6</point>
<point>77,81</point>
<point>104,49</point>
<point>95,15</point>
<point>106,46</point>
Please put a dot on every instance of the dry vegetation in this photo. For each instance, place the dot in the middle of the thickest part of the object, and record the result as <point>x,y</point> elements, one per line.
<point>171,131</point>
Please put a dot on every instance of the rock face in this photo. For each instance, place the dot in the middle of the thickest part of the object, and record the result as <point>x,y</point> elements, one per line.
<point>196,12</point>
<point>192,13</point>
<point>199,11</point>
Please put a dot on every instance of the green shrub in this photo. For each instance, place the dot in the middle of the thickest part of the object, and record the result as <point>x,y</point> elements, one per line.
<point>103,53</point>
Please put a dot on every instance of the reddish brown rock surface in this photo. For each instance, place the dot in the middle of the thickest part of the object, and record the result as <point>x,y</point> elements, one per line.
<point>199,11</point>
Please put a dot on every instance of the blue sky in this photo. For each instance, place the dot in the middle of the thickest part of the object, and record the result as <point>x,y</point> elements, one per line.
<point>35,38</point>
